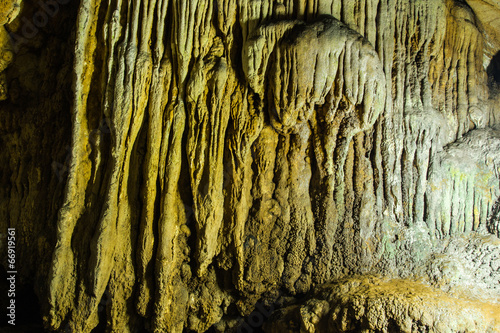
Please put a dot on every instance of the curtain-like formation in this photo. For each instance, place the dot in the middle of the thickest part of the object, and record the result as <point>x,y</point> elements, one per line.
<point>224,150</point>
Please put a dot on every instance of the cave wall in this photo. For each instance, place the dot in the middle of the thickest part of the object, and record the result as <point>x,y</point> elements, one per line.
<point>173,162</point>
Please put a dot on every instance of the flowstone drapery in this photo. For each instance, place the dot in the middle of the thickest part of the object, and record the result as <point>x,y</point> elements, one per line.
<point>207,156</point>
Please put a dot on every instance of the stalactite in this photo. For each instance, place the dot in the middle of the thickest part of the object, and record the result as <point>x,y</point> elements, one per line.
<point>225,152</point>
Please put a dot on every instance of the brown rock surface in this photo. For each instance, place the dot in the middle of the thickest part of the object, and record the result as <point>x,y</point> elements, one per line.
<point>371,304</point>
<point>171,164</point>
<point>488,14</point>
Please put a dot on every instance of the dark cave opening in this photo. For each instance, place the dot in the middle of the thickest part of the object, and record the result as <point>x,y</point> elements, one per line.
<point>27,307</point>
<point>493,71</point>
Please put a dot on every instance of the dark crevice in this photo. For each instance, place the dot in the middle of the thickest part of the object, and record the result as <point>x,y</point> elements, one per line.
<point>493,71</point>
<point>27,315</point>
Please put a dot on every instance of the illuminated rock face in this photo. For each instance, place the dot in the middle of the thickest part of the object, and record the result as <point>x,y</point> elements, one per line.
<point>173,164</point>
<point>372,304</point>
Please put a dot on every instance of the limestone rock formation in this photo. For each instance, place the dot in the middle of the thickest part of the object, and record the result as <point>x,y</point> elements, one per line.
<point>371,304</point>
<point>176,165</point>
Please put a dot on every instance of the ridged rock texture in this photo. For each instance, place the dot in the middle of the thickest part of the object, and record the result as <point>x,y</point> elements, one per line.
<point>174,165</point>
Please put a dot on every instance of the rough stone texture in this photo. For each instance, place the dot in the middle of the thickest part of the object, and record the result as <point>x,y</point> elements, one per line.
<point>171,163</point>
<point>372,304</point>
<point>463,180</point>
<point>9,9</point>
<point>488,13</point>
